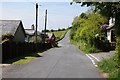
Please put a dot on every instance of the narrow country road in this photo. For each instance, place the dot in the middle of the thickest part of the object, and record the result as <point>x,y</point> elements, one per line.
<point>66,61</point>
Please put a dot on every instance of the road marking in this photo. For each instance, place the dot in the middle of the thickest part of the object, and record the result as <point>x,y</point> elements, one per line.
<point>92,60</point>
<point>95,57</point>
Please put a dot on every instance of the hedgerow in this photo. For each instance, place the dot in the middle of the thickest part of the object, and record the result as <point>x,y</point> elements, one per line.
<point>86,31</point>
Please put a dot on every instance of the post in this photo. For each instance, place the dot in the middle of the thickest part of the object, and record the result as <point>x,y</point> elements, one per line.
<point>45,21</point>
<point>45,24</point>
<point>36,22</point>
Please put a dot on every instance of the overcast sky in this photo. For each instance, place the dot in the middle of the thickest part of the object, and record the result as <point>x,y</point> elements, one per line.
<point>60,14</point>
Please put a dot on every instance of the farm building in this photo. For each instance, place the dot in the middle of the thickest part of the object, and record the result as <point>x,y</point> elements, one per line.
<point>13,27</point>
<point>31,32</point>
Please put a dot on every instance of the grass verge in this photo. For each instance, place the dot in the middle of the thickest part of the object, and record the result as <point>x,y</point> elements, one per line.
<point>111,67</point>
<point>25,59</point>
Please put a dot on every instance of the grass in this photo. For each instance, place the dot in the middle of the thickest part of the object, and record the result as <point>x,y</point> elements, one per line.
<point>59,34</point>
<point>25,59</point>
<point>111,67</point>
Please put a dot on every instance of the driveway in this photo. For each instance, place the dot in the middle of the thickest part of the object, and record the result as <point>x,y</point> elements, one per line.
<point>66,61</point>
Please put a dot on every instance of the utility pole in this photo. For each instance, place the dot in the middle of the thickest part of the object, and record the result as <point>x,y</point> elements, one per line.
<point>36,22</point>
<point>45,21</point>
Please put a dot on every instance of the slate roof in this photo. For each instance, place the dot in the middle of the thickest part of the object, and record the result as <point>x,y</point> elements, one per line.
<point>9,26</point>
<point>29,32</point>
<point>111,26</point>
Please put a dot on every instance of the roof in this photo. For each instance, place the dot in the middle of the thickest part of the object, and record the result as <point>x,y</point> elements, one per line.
<point>107,27</point>
<point>104,26</point>
<point>110,27</point>
<point>32,32</point>
<point>29,31</point>
<point>10,26</point>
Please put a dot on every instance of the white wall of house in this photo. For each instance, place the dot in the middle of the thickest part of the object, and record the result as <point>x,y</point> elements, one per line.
<point>111,21</point>
<point>109,35</point>
<point>19,35</point>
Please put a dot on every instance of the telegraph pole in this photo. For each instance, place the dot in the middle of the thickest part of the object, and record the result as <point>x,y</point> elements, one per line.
<point>45,21</point>
<point>36,22</point>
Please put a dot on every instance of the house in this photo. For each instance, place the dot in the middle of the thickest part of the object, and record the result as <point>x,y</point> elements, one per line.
<point>110,31</point>
<point>31,32</point>
<point>13,27</point>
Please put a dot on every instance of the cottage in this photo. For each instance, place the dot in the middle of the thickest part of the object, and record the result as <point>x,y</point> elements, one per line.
<point>111,35</point>
<point>111,31</point>
<point>13,27</point>
<point>31,32</point>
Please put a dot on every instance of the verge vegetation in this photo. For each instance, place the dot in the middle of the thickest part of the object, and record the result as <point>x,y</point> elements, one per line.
<point>87,34</point>
<point>109,9</point>
<point>111,67</point>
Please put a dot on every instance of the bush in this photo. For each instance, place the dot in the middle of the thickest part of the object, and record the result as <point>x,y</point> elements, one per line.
<point>8,37</point>
<point>59,29</point>
<point>110,66</point>
<point>87,32</point>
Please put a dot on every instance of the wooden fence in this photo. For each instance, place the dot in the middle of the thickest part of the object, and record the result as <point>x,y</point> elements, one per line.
<point>12,50</point>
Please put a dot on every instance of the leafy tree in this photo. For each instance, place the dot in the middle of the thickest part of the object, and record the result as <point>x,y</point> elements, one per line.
<point>63,29</point>
<point>52,30</point>
<point>84,16</point>
<point>59,29</point>
<point>108,9</point>
<point>85,33</point>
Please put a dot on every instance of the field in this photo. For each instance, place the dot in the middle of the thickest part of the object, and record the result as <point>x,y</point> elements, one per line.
<point>59,34</point>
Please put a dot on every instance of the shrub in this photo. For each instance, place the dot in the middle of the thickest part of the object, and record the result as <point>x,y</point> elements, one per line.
<point>86,30</point>
<point>8,37</point>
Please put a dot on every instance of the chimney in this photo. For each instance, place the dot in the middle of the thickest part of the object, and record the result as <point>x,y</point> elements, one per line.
<point>32,27</point>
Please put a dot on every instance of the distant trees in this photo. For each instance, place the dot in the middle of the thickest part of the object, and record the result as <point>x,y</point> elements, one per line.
<point>52,30</point>
<point>46,30</point>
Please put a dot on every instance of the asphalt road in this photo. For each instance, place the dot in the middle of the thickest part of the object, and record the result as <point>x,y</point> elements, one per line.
<point>66,61</point>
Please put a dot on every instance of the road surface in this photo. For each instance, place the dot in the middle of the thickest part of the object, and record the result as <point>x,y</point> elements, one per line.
<point>66,61</point>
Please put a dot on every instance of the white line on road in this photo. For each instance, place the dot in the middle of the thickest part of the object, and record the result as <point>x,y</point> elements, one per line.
<point>92,60</point>
<point>94,57</point>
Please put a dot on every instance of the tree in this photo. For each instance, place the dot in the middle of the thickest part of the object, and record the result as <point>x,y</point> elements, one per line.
<point>108,9</point>
<point>83,15</point>
<point>84,32</point>
<point>52,30</point>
